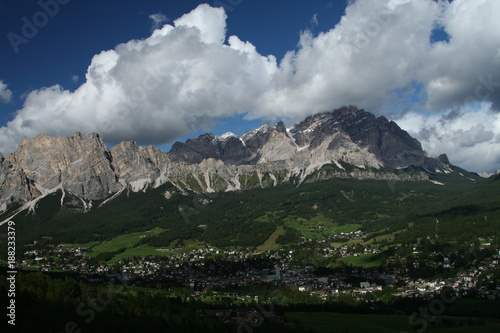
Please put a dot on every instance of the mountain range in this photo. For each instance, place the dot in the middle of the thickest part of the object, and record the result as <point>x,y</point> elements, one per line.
<point>344,143</point>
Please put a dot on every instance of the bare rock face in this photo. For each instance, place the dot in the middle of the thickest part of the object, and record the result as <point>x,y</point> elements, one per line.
<point>444,158</point>
<point>15,185</point>
<point>79,164</point>
<point>227,147</point>
<point>267,156</point>
<point>137,166</point>
<point>269,144</point>
<point>394,147</point>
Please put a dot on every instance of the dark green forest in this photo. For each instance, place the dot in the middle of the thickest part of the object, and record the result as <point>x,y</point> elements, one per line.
<point>448,219</point>
<point>60,303</point>
<point>63,304</point>
<point>247,218</point>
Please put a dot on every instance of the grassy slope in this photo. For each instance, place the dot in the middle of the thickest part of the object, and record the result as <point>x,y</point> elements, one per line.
<point>363,260</point>
<point>124,241</point>
<point>146,250</point>
<point>270,243</point>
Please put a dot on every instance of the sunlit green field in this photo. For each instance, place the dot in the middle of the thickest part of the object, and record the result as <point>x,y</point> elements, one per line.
<point>270,243</point>
<point>124,241</point>
<point>319,227</point>
<point>363,260</point>
<point>145,251</point>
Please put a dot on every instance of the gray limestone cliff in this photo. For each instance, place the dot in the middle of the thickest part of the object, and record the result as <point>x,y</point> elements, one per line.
<point>79,164</point>
<point>352,141</point>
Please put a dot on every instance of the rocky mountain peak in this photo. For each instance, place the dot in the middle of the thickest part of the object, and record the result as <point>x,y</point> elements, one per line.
<point>393,146</point>
<point>226,136</point>
<point>444,158</point>
<point>280,127</point>
<point>138,167</point>
<point>82,164</point>
<point>228,148</point>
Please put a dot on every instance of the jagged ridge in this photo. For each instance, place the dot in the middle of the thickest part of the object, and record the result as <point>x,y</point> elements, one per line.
<point>353,141</point>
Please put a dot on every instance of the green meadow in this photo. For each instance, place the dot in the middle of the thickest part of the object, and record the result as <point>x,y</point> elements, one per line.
<point>126,241</point>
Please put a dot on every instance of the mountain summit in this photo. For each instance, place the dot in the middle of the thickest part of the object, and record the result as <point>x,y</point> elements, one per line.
<point>347,142</point>
<point>384,140</point>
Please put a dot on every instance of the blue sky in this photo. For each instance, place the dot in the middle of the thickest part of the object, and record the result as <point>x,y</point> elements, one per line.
<point>62,48</point>
<point>433,67</point>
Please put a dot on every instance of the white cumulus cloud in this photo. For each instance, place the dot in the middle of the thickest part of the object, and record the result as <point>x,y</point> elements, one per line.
<point>158,20</point>
<point>5,93</point>
<point>377,47</point>
<point>469,135</point>
<point>314,20</point>
<point>467,68</point>
<point>154,90</point>
<point>189,73</point>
